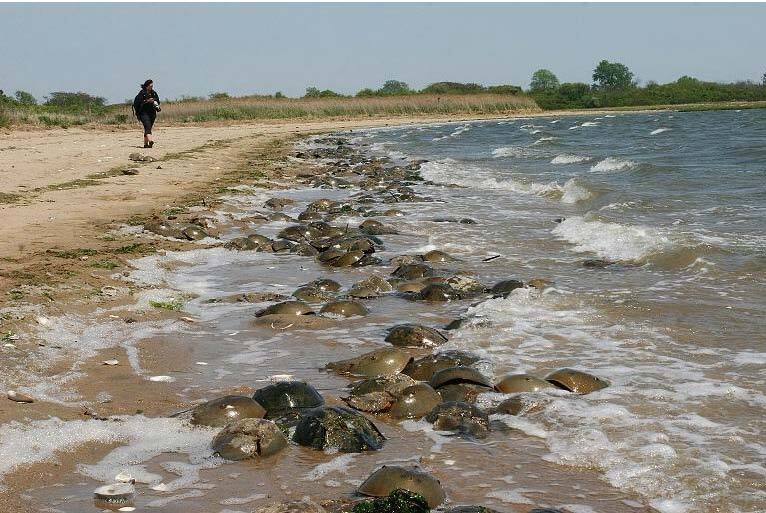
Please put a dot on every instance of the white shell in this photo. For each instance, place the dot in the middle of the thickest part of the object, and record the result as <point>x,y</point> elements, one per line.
<point>111,362</point>
<point>163,379</point>
<point>19,397</point>
<point>115,493</point>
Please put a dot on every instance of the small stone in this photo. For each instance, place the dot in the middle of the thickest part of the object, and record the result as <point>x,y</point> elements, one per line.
<point>19,397</point>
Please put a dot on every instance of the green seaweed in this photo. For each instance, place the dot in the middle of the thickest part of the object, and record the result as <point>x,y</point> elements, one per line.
<point>398,501</point>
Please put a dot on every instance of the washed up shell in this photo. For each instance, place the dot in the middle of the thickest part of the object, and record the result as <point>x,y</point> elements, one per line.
<point>389,478</point>
<point>394,385</point>
<point>348,259</point>
<point>459,374</point>
<point>576,381</point>
<point>415,401</point>
<point>111,362</point>
<point>224,410</point>
<point>344,308</point>
<point>286,308</point>
<point>287,396</point>
<point>382,362</point>
<point>242,244</point>
<point>194,232</point>
<point>162,379</point>
<point>424,368</point>
<point>114,494</point>
<point>249,438</point>
<point>337,428</point>
<point>514,383</point>
<point>414,335</point>
<point>19,397</point>
<point>413,271</point>
<point>461,392</point>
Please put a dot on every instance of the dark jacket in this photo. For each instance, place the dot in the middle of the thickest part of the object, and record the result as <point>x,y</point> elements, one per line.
<point>138,103</point>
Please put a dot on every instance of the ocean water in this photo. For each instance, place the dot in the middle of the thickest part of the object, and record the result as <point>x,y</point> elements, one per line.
<point>673,202</point>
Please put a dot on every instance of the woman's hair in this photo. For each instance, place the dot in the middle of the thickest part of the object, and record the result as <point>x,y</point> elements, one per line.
<point>146,84</point>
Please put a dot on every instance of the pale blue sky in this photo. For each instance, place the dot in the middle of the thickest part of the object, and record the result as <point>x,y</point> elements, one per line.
<point>196,49</point>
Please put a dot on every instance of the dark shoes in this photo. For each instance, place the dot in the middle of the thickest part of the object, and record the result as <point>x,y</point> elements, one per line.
<point>151,143</point>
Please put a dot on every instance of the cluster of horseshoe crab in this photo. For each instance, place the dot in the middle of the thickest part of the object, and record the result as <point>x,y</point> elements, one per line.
<point>399,381</point>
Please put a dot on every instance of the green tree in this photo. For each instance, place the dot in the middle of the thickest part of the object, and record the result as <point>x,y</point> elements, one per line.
<point>25,98</point>
<point>393,87</point>
<point>612,75</point>
<point>312,92</point>
<point>75,101</point>
<point>365,93</point>
<point>543,80</point>
<point>219,96</point>
<point>279,94</point>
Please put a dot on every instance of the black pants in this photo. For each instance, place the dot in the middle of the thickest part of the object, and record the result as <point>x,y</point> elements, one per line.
<point>147,119</point>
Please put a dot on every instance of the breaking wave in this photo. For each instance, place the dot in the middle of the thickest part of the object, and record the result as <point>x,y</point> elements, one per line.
<point>611,164</point>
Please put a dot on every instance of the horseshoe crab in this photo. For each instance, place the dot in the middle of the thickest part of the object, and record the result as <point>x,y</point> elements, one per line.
<point>371,287</point>
<point>242,244</point>
<point>221,411</point>
<point>325,285</point>
<point>459,374</point>
<point>321,205</point>
<point>514,383</point>
<point>372,227</point>
<point>540,283</point>
<point>414,335</point>
<point>334,427</point>
<point>437,292</point>
<point>388,478</point>
<point>260,240</point>
<point>461,417</point>
<point>392,212</point>
<point>377,394</point>
<point>471,509</point>
<point>194,232</point>
<point>413,271</point>
<point>163,228</point>
<point>282,246</point>
<point>398,501</point>
<point>382,362</point>
<point>505,287</point>
<point>309,215</point>
<point>304,249</point>
<point>286,397</point>
<point>344,308</point>
<point>286,308</point>
<point>465,285</point>
<point>521,404</point>
<point>437,256</point>
<point>347,259</point>
<point>461,392</point>
<point>415,401</point>
<point>424,368</point>
<point>311,295</point>
<point>576,381</point>
<point>249,438</point>
<point>279,216</point>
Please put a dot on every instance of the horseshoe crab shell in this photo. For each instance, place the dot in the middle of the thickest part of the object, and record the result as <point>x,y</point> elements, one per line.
<point>505,287</point>
<point>394,385</point>
<point>286,308</point>
<point>415,401</point>
<point>459,374</point>
<point>344,308</point>
<point>414,335</point>
<point>164,228</point>
<point>436,292</point>
<point>471,509</point>
<point>114,495</point>
<point>221,411</point>
<point>576,381</point>
<point>461,392</point>
<point>413,271</point>
<point>334,427</point>
<point>325,285</point>
<point>382,362</point>
<point>241,244</point>
<point>424,368</point>
<point>436,256</point>
<point>514,383</point>
<point>389,478</point>
<point>287,396</point>
<point>460,417</point>
<point>260,240</point>
<point>249,438</point>
<point>193,232</point>
<point>521,404</point>
<point>347,259</point>
<point>311,295</point>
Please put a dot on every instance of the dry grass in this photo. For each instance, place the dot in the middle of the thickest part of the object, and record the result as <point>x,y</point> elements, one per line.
<point>259,108</point>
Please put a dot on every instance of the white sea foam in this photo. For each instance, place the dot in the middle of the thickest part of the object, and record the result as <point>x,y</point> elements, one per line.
<point>38,441</point>
<point>613,241</point>
<point>568,158</point>
<point>611,164</point>
<point>513,151</point>
<point>658,131</point>
<point>573,192</point>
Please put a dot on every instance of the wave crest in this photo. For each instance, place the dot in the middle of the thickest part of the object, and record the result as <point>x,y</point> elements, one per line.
<point>611,164</point>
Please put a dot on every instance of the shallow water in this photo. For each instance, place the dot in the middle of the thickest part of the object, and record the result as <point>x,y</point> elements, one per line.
<point>676,324</point>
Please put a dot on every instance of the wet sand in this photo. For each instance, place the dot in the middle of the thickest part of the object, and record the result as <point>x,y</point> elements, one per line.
<point>46,284</point>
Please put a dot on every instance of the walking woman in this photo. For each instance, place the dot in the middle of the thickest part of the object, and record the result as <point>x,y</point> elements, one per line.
<point>146,105</point>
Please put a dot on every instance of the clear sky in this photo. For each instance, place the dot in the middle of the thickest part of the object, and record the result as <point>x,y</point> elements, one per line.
<point>196,49</point>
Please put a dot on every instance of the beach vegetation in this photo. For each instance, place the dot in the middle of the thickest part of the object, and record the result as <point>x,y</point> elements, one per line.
<point>313,92</point>
<point>612,75</point>
<point>543,80</point>
<point>25,98</point>
<point>173,305</point>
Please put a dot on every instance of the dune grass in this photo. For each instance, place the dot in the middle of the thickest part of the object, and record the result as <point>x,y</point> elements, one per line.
<point>267,108</point>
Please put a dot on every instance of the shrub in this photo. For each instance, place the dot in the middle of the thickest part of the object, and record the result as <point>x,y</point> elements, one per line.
<point>219,96</point>
<point>75,101</point>
<point>25,98</point>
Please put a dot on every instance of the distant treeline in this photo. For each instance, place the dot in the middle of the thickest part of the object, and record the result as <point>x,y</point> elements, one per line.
<point>614,86</point>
